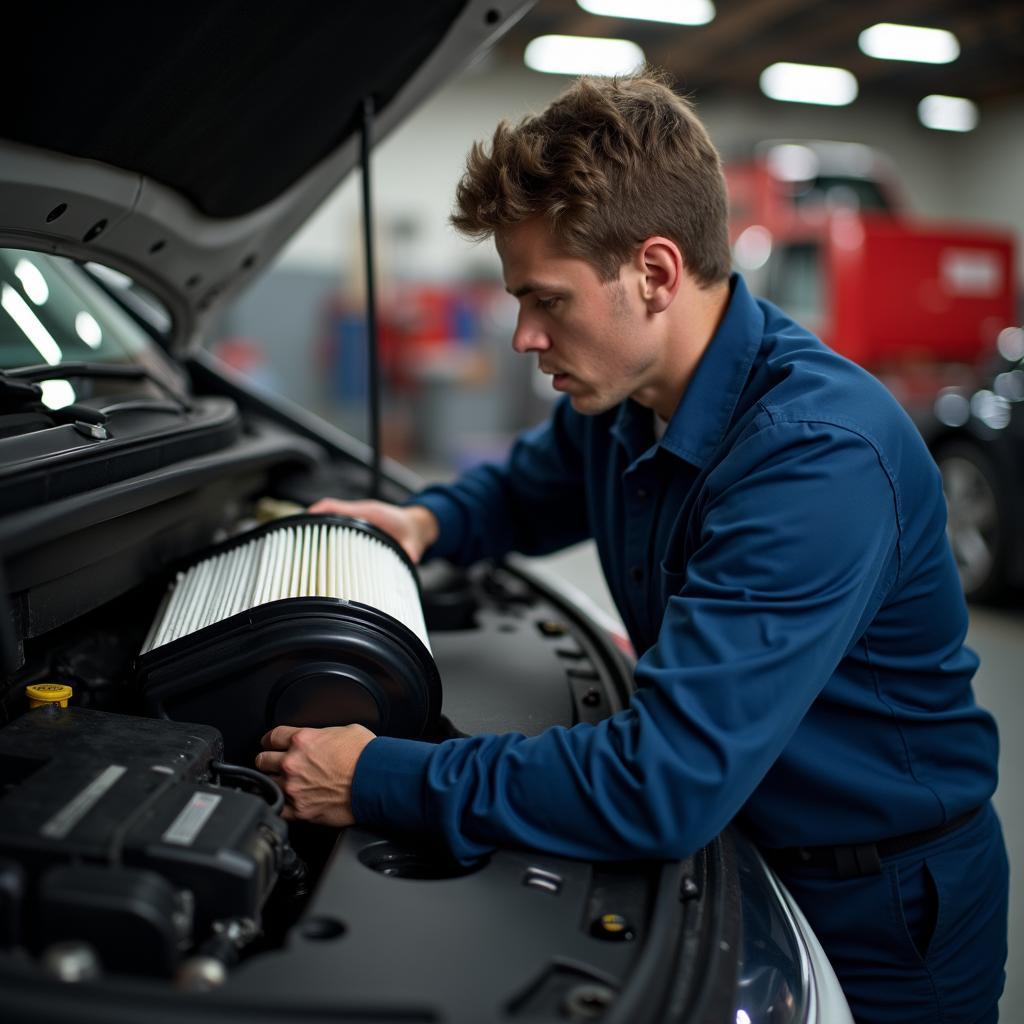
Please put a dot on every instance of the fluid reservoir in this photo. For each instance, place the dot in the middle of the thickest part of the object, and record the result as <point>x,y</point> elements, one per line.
<point>40,694</point>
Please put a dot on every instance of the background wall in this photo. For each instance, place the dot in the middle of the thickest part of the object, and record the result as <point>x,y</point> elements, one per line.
<point>975,175</point>
<point>285,319</point>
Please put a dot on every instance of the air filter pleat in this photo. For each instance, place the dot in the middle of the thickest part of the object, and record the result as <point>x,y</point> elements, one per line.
<point>226,583</point>
<point>311,560</point>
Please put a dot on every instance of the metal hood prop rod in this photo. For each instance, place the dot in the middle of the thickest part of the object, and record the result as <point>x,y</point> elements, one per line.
<point>372,340</point>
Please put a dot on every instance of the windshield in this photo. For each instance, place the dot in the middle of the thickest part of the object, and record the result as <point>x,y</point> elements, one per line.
<point>840,190</point>
<point>52,311</point>
<point>796,285</point>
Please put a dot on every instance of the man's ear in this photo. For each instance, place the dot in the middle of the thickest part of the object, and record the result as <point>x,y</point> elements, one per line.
<point>661,264</point>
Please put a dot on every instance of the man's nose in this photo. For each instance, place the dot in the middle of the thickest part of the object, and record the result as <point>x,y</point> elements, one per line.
<point>528,337</point>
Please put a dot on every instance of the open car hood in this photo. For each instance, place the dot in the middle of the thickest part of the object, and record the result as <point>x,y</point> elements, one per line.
<point>187,147</point>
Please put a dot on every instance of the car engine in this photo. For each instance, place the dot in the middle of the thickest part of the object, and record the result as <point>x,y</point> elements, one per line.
<point>116,842</point>
<point>123,837</point>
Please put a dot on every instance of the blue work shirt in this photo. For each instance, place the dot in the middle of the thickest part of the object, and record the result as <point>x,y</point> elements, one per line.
<point>780,561</point>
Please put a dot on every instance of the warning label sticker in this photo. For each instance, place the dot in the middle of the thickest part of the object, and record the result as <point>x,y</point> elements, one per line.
<point>191,819</point>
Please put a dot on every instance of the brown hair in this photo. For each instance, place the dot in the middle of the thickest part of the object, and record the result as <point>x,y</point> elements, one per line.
<point>611,162</point>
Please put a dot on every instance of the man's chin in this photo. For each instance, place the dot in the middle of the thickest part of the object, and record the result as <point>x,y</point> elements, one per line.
<point>590,404</point>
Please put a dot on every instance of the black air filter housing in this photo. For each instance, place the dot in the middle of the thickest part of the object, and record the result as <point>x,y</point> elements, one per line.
<point>308,621</point>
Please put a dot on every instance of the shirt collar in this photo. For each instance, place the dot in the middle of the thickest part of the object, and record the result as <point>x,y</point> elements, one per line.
<point>707,406</point>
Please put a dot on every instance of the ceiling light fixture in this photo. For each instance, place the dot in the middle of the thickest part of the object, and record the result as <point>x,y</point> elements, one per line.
<point>809,83</point>
<point>887,41</point>
<point>947,113</point>
<point>57,394</point>
<point>675,12</point>
<point>88,329</point>
<point>583,55</point>
<point>31,326</point>
<point>32,281</point>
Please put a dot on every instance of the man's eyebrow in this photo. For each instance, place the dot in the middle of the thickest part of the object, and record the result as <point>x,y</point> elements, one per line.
<point>528,287</point>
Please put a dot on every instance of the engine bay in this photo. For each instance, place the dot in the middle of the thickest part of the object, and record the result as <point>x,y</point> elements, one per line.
<point>138,845</point>
<point>132,845</point>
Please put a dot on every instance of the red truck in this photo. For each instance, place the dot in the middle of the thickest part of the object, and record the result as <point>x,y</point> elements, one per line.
<point>822,230</point>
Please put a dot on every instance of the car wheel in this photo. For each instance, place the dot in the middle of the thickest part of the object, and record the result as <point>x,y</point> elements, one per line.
<point>977,524</point>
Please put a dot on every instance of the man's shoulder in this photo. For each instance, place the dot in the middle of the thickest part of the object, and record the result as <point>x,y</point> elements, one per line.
<point>799,379</point>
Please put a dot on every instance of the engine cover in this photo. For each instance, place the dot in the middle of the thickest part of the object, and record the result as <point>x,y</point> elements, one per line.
<point>111,818</point>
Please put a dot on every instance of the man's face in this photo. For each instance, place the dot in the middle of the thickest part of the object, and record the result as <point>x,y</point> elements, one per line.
<point>591,336</point>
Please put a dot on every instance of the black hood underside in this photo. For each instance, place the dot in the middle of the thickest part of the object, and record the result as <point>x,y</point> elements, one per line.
<point>227,103</point>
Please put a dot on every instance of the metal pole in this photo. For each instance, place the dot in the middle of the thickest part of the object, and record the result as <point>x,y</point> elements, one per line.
<point>372,346</point>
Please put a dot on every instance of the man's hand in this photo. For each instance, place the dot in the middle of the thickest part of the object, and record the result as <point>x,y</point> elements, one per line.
<point>315,768</point>
<point>413,526</point>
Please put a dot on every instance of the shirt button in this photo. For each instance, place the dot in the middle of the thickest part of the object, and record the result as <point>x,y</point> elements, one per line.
<point>642,492</point>
<point>636,574</point>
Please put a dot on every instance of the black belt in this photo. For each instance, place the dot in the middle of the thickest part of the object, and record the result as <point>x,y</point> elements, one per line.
<point>863,859</point>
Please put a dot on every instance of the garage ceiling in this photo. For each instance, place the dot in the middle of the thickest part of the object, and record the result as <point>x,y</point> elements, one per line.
<point>726,56</point>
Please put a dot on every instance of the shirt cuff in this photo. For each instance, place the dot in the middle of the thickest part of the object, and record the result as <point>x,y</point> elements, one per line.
<point>449,520</point>
<point>389,783</point>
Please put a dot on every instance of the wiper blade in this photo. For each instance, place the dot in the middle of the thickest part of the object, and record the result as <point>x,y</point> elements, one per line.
<point>62,371</point>
<point>144,405</point>
<point>18,393</point>
<point>21,388</point>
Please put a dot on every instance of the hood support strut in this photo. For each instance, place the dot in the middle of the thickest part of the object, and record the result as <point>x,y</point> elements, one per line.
<point>372,341</point>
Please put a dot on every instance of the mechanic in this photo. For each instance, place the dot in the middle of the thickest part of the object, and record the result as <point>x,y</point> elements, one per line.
<point>772,529</point>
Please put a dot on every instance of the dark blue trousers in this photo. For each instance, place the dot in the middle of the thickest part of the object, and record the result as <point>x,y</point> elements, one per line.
<point>923,942</point>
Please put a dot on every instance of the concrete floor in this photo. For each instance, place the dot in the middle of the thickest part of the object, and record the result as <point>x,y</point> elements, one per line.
<point>998,637</point>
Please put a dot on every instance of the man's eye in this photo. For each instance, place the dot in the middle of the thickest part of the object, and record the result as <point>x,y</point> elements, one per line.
<point>550,303</point>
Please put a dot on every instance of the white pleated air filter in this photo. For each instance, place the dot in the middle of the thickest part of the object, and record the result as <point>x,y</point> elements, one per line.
<point>315,559</point>
<point>307,621</point>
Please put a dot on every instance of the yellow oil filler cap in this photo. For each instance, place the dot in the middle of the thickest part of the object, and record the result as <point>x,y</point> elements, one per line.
<point>48,693</point>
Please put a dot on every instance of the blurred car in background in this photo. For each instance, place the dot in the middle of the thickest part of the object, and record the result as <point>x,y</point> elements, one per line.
<point>976,433</point>
<point>146,872</point>
<point>822,229</point>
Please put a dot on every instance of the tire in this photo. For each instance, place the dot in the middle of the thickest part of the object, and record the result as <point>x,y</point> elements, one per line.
<point>979,521</point>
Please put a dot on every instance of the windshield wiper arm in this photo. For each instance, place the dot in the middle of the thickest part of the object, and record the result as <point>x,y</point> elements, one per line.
<point>95,370</point>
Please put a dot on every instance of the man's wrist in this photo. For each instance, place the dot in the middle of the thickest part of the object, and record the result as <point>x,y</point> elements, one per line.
<point>388,784</point>
<point>425,523</point>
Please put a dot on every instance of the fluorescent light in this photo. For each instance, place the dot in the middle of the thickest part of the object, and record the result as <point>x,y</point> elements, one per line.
<point>809,83</point>
<point>887,41</point>
<point>57,394</point>
<point>583,55</point>
<point>88,329</point>
<point>947,113</point>
<point>675,12</point>
<point>31,326</point>
<point>109,274</point>
<point>32,280</point>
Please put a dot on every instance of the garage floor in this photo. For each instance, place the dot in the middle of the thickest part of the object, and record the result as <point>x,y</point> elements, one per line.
<point>998,637</point>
